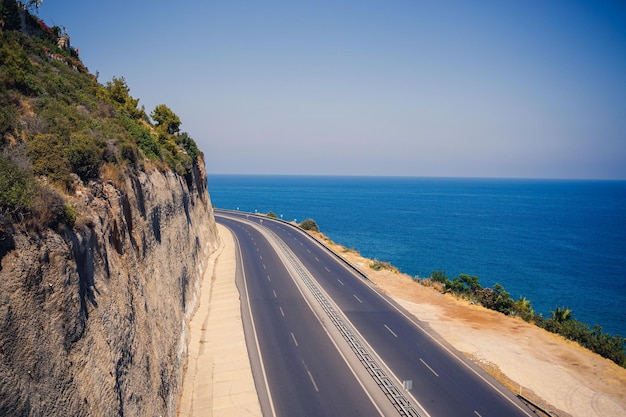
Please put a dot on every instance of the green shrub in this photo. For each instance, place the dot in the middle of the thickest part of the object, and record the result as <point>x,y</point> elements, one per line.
<point>47,153</point>
<point>17,187</point>
<point>272,215</point>
<point>309,224</point>
<point>69,214</point>
<point>84,157</point>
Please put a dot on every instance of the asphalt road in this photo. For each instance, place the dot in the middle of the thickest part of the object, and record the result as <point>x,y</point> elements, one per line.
<point>443,382</point>
<point>304,374</point>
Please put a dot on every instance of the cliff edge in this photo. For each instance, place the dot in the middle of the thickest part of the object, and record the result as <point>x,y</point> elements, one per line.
<point>93,318</point>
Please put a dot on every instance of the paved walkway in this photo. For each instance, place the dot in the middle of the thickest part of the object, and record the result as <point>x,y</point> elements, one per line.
<point>218,381</point>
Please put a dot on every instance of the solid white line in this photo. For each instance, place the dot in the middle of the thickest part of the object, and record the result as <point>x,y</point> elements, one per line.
<point>359,300</point>
<point>256,338</point>
<point>295,342</point>
<point>312,381</point>
<point>391,331</point>
<point>429,368</point>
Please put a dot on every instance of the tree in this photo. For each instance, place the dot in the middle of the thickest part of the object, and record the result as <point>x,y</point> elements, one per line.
<point>119,92</point>
<point>166,119</point>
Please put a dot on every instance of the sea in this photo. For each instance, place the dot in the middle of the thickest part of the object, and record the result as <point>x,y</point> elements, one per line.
<point>559,243</point>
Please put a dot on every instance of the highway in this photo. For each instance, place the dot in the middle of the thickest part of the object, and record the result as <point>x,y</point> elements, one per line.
<point>306,369</point>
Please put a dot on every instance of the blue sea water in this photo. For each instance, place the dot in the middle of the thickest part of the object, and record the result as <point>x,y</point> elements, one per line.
<point>556,242</point>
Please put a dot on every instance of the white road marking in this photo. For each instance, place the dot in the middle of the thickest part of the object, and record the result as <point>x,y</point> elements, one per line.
<point>390,331</point>
<point>339,281</point>
<point>295,342</point>
<point>359,300</point>
<point>312,381</point>
<point>275,296</point>
<point>431,370</point>
<point>317,259</point>
<point>281,311</point>
<point>269,279</point>
<point>327,270</point>
<point>476,412</point>
<point>264,267</point>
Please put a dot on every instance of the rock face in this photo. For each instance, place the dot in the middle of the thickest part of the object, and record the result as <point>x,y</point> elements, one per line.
<point>93,318</point>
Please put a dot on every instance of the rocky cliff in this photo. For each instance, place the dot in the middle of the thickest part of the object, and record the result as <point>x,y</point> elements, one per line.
<point>93,316</point>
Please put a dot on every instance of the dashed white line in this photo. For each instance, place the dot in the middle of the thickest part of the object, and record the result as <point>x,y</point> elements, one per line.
<point>281,311</point>
<point>275,295</point>
<point>431,370</point>
<point>293,337</point>
<point>390,331</point>
<point>264,267</point>
<point>317,259</point>
<point>308,250</point>
<point>312,381</point>
<point>359,300</point>
<point>269,279</point>
<point>339,281</point>
<point>476,412</point>
<point>327,270</point>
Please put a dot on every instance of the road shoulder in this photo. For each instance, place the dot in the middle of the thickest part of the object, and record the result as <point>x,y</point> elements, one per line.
<point>218,381</point>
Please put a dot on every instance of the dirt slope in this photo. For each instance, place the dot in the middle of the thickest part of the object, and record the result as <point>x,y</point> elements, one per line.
<point>557,374</point>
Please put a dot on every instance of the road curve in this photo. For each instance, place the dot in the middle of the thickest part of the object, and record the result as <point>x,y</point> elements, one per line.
<point>301,372</point>
<point>442,382</point>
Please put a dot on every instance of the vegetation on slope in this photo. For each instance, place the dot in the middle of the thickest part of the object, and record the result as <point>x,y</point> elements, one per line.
<point>561,320</point>
<point>60,127</point>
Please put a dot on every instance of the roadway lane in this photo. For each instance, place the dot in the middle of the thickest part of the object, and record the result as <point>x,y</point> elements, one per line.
<point>305,372</point>
<point>443,383</point>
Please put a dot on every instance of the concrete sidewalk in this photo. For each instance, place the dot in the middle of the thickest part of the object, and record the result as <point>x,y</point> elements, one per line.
<point>218,381</point>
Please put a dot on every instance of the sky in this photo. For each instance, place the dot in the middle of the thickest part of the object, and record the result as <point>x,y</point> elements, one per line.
<point>530,89</point>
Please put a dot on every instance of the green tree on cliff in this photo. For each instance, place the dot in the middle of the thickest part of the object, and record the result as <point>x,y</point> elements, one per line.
<point>166,119</point>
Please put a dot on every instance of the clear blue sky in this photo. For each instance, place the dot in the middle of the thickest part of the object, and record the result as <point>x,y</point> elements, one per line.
<point>418,88</point>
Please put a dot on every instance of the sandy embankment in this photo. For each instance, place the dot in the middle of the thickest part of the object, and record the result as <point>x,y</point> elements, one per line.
<point>557,374</point>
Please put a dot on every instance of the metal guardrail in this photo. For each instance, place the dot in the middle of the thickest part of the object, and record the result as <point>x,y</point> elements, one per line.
<point>391,391</point>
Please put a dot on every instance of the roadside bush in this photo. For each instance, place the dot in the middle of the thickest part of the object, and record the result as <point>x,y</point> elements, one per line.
<point>309,224</point>
<point>271,214</point>
<point>377,265</point>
